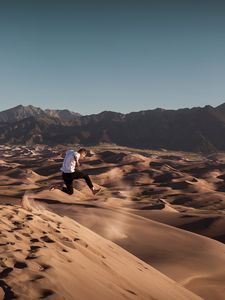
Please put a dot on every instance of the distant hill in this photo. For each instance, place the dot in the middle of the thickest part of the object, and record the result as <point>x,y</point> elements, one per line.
<point>196,129</point>
<point>64,114</point>
<point>21,112</point>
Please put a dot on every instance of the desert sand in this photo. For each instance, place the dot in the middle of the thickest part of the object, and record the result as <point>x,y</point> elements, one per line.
<point>47,256</point>
<point>161,210</point>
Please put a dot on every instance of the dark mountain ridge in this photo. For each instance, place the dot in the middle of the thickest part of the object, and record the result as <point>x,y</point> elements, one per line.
<point>194,129</point>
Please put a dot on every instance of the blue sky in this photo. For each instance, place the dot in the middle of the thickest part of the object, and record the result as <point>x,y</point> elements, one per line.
<point>89,56</point>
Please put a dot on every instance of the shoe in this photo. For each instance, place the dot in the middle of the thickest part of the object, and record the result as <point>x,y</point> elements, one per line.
<point>55,187</point>
<point>95,191</point>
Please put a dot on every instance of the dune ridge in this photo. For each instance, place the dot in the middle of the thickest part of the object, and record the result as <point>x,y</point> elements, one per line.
<point>44,255</point>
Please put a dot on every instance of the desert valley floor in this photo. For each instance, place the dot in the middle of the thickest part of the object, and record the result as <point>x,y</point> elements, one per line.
<point>155,231</point>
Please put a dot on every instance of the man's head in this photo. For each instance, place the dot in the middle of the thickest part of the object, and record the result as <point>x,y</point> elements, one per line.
<point>83,152</point>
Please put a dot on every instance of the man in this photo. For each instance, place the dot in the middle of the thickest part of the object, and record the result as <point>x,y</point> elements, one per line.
<point>70,171</point>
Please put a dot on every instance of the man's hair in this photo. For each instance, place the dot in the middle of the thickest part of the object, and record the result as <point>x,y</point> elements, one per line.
<point>82,150</point>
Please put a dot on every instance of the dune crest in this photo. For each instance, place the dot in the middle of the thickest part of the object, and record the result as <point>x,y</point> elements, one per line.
<point>44,255</point>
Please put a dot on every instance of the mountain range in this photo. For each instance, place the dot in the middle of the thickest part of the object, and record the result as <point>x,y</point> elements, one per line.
<point>200,129</point>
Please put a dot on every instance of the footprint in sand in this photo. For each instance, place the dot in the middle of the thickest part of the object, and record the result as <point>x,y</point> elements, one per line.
<point>20,265</point>
<point>47,239</point>
<point>4,244</point>
<point>8,293</point>
<point>32,252</point>
<point>19,227</point>
<point>58,224</point>
<point>44,267</point>
<point>29,217</point>
<point>31,256</point>
<point>34,248</point>
<point>64,250</point>
<point>18,237</point>
<point>81,242</point>
<point>18,223</point>
<point>26,234</point>
<point>46,293</point>
<point>34,241</point>
<point>5,272</point>
<point>67,242</point>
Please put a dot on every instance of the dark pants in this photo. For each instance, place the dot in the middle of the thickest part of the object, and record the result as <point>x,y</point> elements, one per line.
<point>69,177</point>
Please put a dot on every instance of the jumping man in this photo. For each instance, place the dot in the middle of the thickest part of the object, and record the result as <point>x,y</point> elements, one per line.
<point>70,171</point>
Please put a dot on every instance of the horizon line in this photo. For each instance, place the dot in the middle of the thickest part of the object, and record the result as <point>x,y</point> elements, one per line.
<point>123,113</point>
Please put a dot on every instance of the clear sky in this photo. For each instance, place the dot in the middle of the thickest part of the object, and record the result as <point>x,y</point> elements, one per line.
<point>120,55</point>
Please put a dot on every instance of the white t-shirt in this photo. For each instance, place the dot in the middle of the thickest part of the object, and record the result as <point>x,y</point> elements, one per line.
<point>69,163</point>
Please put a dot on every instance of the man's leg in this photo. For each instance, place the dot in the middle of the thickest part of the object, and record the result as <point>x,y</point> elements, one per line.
<point>68,180</point>
<point>81,175</point>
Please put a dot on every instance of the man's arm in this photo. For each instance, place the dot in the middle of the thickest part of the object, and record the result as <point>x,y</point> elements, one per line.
<point>77,161</point>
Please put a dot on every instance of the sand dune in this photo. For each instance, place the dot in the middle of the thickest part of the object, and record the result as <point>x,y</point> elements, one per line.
<point>47,256</point>
<point>178,254</point>
<point>151,204</point>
